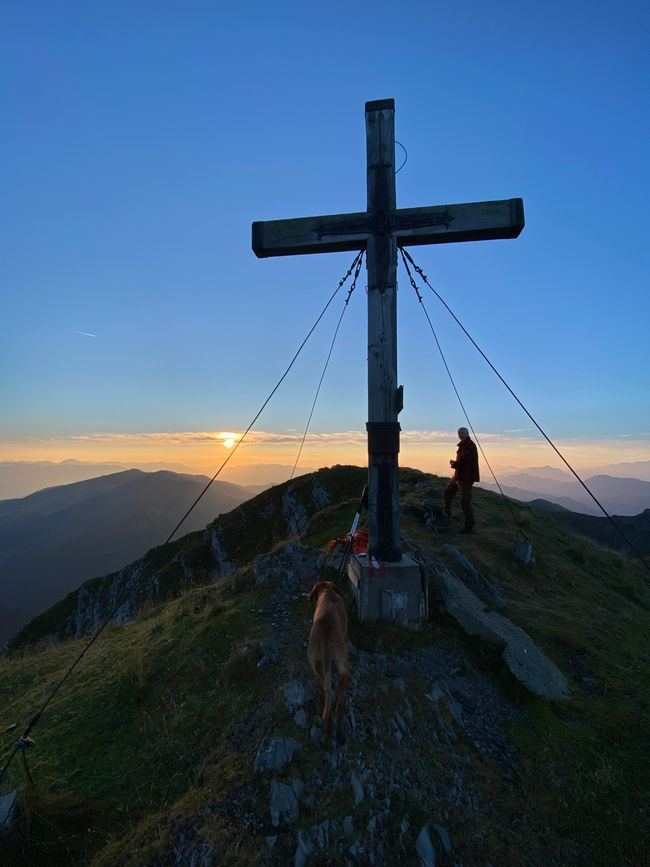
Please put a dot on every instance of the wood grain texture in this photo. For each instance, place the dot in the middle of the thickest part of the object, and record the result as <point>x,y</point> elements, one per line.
<point>436,224</point>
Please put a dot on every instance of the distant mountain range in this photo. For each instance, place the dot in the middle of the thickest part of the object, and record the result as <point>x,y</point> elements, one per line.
<point>52,540</point>
<point>620,496</point>
<point>636,528</point>
<point>631,469</point>
<point>20,478</point>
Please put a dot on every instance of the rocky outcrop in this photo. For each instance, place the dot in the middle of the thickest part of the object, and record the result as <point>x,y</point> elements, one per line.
<point>274,754</point>
<point>294,513</point>
<point>220,563</point>
<point>8,811</point>
<point>229,543</point>
<point>520,653</point>
<point>320,496</point>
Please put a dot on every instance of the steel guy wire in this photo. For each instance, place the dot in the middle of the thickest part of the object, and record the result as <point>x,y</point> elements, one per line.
<point>539,428</point>
<point>124,596</point>
<point>327,361</point>
<point>451,379</point>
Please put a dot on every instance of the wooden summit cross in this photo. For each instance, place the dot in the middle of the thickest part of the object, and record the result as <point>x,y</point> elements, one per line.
<point>379,230</point>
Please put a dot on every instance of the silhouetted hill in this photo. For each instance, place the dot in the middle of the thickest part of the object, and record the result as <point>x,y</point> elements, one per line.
<point>635,527</point>
<point>54,539</point>
<point>620,496</point>
<point>525,496</point>
<point>21,478</point>
<point>546,506</point>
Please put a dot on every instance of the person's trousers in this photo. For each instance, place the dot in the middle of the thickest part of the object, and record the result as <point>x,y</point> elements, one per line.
<point>465,489</point>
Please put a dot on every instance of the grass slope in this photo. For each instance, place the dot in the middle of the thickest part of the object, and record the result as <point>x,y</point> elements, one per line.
<point>243,534</point>
<point>161,721</point>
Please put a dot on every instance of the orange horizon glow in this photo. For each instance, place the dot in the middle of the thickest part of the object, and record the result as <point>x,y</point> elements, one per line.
<point>198,451</point>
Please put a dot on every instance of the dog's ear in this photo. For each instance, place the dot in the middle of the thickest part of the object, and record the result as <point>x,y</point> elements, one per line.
<point>315,591</point>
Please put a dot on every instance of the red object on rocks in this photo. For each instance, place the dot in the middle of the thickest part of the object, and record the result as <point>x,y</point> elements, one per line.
<point>360,542</point>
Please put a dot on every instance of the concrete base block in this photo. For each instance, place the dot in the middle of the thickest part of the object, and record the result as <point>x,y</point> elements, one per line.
<point>393,592</point>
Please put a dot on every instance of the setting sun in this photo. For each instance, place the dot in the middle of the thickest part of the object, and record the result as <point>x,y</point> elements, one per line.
<point>228,438</point>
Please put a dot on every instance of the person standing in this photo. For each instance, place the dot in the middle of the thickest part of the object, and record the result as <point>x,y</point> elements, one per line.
<point>465,474</point>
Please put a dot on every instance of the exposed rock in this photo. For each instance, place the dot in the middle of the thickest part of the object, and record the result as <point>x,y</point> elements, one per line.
<point>532,667</point>
<point>220,563</point>
<point>298,788</point>
<point>300,718</point>
<point>283,804</point>
<point>208,856</point>
<point>444,839</point>
<point>308,840</point>
<point>424,848</point>
<point>462,561</point>
<point>297,693</point>
<point>485,589</point>
<point>274,754</point>
<point>294,513</point>
<point>270,650</point>
<point>456,710</point>
<point>319,495</point>
<point>304,849</point>
<point>357,789</point>
<point>188,572</point>
<point>436,694</point>
<point>356,849</point>
<point>520,653</point>
<point>8,810</point>
<point>289,566</point>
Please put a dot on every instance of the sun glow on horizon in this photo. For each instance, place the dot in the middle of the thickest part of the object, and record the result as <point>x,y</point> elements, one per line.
<point>228,439</point>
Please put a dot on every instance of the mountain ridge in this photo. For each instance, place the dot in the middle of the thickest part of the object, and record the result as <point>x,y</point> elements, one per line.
<point>621,496</point>
<point>53,539</point>
<point>190,733</point>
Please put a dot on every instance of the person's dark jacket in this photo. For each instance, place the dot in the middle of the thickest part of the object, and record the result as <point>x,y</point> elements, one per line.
<point>466,463</point>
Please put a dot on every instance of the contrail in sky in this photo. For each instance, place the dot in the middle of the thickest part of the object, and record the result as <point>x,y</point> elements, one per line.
<point>86,333</point>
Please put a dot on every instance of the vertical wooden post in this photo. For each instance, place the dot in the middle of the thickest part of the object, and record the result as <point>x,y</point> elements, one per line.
<point>383,427</point>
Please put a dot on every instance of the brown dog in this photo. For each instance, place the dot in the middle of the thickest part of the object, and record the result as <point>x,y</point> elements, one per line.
<point>328,643</point>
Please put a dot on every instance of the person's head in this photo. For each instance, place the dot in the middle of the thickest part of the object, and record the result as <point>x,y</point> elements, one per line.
<point>463,433</point>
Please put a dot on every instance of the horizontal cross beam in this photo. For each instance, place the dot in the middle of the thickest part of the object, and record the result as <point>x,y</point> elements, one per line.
<point>438,224</point>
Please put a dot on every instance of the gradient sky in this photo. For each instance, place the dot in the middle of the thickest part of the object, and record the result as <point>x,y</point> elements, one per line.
<point>141,139</point>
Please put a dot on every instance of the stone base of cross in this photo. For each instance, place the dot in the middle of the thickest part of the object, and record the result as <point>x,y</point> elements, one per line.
<point>379,230</point>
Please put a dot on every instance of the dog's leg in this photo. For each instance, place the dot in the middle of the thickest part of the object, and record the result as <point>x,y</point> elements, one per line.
<point>327,695</point>
<point>342,683</point>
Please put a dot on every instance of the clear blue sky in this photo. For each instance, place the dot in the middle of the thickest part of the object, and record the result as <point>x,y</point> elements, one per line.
<point>141,139</point>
